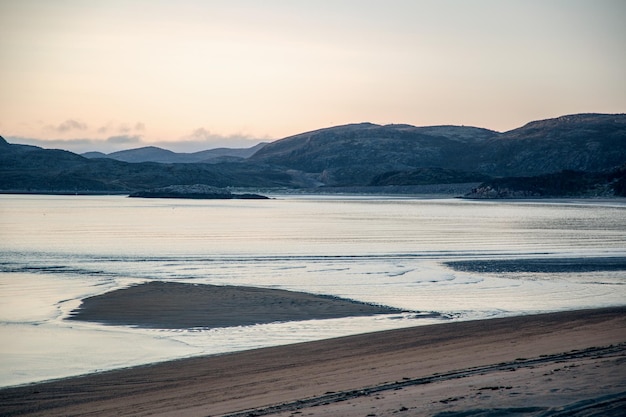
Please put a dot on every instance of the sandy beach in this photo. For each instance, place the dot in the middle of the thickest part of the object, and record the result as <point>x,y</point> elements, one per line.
<point>567,363</point>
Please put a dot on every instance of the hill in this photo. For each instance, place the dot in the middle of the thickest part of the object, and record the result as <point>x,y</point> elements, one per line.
<point>559,184</point>
<point>582,142</point>
<point>32,169</point>
<point>155,154</point>
<point>355,155</point>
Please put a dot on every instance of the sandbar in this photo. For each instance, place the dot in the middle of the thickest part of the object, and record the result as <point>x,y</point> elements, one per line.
<point>541,265</point>
<point>174,305</point>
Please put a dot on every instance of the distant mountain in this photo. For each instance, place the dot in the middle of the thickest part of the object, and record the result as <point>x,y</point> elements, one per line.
<point>226,154</point>
<point>355,154</point>
<point>155,154</point>
<point>26,168</point>
<point>145,154</point>
<point>93,155</point>
<point>358,154</point>
<point>575,154</point>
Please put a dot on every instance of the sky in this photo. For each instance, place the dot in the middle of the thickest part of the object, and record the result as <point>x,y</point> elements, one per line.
<point>188,75</point>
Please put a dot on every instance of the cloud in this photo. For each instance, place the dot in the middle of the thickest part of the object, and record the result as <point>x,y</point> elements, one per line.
<point>121,128</point>
<point>201,134</point>
<point>123,139</point>
<point>68,125</point>
<point>199,139</point>
<point>202,139</point>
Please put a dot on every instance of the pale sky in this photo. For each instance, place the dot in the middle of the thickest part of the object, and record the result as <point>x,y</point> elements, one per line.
<point>197,74</point>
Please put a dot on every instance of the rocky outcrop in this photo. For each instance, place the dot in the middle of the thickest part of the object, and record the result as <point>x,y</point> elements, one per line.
<point>196,191</point>
<point>560,184</point>
<point>487,191</point>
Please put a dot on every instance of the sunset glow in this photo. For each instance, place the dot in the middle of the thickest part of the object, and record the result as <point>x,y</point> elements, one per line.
<point>191,75</point>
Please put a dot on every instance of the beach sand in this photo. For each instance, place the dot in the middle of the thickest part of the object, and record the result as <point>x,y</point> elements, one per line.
<point>573,363</point>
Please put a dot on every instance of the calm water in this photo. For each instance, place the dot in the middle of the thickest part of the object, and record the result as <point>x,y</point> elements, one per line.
<point>55,250</point>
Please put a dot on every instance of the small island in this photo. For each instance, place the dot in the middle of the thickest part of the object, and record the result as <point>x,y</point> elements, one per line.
<point>196,191</point>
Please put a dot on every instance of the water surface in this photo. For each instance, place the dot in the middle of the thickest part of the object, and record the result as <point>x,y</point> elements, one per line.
<point>56,250</point>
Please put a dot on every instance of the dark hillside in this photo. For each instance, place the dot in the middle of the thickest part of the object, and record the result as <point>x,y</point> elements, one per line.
<point>359,154</point>
<point>33,169</point>
<point>355,154</point>
<point>566,183</point>
<point>583,142</point>
<point>367,143</point>
<point>425,176</point>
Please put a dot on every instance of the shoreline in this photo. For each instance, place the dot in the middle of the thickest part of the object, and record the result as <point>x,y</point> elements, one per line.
<point>420,192</point>
<point>339,372</point>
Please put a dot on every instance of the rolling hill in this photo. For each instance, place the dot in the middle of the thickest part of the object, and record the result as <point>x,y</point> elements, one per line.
<point>357,154</point>
<point>32,169</point>
<point>155,154</point>
<point>353,155</point>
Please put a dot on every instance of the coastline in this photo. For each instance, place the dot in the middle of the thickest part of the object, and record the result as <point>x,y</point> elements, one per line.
<point>551,361</point>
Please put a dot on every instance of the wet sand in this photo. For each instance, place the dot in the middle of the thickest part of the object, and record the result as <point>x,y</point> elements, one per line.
<point>541,265</point>
<point>172,305</point>
<point>573,363</point>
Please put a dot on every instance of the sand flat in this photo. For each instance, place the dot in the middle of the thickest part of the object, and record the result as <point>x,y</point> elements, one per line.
<point>173,305</point>
<point>536,363</point>
<point>542,265</point>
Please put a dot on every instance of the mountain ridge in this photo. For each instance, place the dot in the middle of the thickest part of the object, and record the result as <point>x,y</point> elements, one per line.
<point>349,154</point>
<point>166,156</point>
<point>353,155</point>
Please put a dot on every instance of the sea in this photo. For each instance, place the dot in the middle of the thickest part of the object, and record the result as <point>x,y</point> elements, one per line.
<point>390,250</point>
